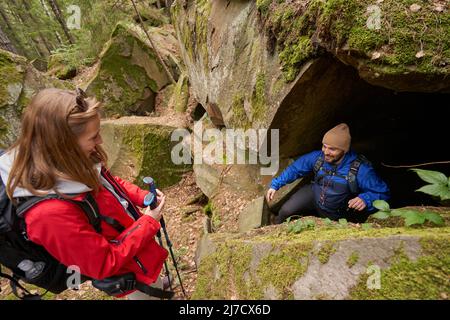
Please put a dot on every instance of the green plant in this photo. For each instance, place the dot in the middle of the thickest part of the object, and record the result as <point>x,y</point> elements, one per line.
<point>208,209</point>
<point>343,223</point>
<point>366,226</point>
<point>300,225</point>
<point>411,216</point>
<point>439,184</point>
<point>328,222</point>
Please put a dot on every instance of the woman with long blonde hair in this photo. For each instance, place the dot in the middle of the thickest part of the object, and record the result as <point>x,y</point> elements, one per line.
<point>59,153</point>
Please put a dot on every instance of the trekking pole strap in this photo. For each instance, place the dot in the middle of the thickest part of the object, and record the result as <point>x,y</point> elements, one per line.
<point>154,292</point>
<point>15,284</point>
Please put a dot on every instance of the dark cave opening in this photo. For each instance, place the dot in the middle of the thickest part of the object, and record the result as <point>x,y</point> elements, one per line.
<point>397,129</point>
<point>388,127</point>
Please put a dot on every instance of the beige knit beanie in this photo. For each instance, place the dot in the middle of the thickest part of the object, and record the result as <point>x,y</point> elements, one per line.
<point>338,137</point>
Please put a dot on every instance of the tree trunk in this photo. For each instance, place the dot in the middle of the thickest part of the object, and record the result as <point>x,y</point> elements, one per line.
<point>59,17</point>
<point>21,19</point>
<point>47,12</point>
<point>15,42</point>
<point>36,23</point>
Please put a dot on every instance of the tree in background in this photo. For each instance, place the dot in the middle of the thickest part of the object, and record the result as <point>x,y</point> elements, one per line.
<point>59,17</point>
<point>38,29</point>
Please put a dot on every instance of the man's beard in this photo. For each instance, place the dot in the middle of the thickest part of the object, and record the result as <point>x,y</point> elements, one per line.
<point>334,161</point>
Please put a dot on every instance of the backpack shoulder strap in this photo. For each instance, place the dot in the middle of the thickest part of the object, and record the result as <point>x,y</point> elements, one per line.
<point>88,205</point>
<point>318,165</point>
<point>353,173</point>
<point>90,208</point>
<point>16,284</point>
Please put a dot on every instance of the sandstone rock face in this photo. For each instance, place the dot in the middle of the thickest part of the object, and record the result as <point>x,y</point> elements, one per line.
<point>296,66</point>
<point>227,60</point>
<point>254,215</point>
<point>19,82</point>
<point>129,74</point>
<point>138,148</point>
<point>325,263</point>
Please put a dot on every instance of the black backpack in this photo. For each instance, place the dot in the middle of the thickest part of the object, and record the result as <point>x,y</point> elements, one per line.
<point>32,264</point>
<point>28,261</point>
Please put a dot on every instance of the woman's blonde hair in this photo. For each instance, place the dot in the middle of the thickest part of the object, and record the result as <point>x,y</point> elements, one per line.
<point>47,148</point>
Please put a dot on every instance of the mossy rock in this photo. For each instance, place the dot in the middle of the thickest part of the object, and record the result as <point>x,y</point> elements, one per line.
<point>325,262</point>
<point>390,43</point>
<point>19,82</point>
<point>137,150</point>
<point>151,16</point>
<point>130,74</point>
<point>180,95</point>
<point>247,57</point>
<point>59,67</point>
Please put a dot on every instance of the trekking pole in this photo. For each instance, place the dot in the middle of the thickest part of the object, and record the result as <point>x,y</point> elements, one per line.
<point>152,187</point>
<point>169,244</point>
<point>151,199</point>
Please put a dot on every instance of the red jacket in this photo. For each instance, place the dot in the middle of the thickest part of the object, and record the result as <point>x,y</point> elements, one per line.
<point>63,229</point>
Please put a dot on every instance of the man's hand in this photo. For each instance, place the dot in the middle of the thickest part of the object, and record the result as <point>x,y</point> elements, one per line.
<point>270,194</point>
<point>357,204</point>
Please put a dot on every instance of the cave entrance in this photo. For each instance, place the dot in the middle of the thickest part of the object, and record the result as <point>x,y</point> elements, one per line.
<point>388,127</point>
<point>405,128</point>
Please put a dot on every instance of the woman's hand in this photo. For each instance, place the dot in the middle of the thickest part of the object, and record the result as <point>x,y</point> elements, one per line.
<point>156,213</point>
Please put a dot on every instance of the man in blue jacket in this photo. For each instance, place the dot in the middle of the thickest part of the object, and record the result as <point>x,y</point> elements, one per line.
<point>344,186</point>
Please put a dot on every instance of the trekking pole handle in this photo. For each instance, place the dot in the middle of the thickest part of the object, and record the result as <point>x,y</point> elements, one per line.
<point>151,198</point>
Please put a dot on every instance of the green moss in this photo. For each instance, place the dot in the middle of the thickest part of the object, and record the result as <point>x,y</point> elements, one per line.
<point>211,211</point>
<point>352,259</point>
<point>230,271</point>
<point>326,234</point>
<point>4,129</point>
<point>201,30</point>
<point>294,55</point>
<point>424,278</point>
<point>343,25</point>
<point>208,209</point>
<point>240,119</point>
<point>120,81</point>
<point>12,69</point>
<point>283,267</point>
<point>181,94</point>
<point>263,5</point>
<point>227,265</point>
<point>151,144</point>
<point>259,98</point>
<point>325,252</point>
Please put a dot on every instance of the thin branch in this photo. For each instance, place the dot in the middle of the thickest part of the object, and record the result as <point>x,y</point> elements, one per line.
<point>151,43</point>
<point>415,165</point>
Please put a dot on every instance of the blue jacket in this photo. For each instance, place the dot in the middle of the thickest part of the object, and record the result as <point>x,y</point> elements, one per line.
<point>371,186</point>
